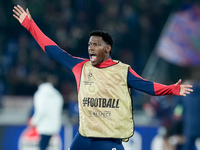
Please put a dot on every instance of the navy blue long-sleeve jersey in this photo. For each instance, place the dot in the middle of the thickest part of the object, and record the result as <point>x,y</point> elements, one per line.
<point>75,64</point>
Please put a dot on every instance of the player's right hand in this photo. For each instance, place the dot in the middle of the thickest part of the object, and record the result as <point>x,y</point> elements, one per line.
<point>20,13</point>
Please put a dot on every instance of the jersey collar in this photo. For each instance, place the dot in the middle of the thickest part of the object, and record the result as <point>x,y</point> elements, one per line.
<point>107,63</point>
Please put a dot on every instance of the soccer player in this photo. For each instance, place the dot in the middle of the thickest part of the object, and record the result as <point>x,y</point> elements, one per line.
<point>105,105</point>
<point>48,104</point>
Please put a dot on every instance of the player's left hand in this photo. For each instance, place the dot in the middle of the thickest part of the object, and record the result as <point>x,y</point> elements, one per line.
<point>184,89</point>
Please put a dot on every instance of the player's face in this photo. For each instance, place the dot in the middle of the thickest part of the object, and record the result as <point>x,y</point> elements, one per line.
<point>98,50</point>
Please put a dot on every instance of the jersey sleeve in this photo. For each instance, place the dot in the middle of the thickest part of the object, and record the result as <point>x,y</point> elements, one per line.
<point>50,47</point>
<point>137,82</point>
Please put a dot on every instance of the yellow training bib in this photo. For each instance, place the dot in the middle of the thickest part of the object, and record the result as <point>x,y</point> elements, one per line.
<point>105,106</point>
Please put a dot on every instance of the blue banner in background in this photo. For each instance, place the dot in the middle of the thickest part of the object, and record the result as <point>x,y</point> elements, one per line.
<point>19,137</point>
<point>16,138</point>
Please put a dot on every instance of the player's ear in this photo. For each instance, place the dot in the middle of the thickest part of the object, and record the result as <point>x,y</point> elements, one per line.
<point>108,49</point>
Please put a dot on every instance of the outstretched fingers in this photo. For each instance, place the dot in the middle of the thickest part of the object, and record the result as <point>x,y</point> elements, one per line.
<point>20,9</point>
<point>16,13</point>
<point>185,89</point>
<point>179,82</point>
<point>19,13</point>
<point>189,88</point>
<point>29,15</point>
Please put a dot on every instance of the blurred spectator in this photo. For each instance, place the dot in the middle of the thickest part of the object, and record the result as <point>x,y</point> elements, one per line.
<point>161,109</point>
<point>179,116</point>
<point>191,111</point>
<point>73,108</point>
<point>167,113</point>
<point>48,104</point>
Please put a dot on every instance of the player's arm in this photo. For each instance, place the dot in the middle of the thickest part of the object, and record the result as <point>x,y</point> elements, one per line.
<point>48,46</point>
<point>137,82</point>
<point>38,101</point>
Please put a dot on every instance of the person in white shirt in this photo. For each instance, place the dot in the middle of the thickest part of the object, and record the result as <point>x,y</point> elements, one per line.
<point>48,104</point>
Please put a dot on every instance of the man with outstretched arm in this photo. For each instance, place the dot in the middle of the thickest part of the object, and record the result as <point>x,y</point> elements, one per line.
<point>105,104</point>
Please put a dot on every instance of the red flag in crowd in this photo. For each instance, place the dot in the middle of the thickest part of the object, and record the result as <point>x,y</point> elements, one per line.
<point>180,40</point>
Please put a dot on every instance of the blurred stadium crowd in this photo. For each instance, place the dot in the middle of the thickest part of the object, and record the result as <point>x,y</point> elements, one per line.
<point>134,24</point>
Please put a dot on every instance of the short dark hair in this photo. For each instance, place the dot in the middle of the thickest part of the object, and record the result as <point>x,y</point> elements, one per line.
<point>44,77</point>
<point>105,36</point>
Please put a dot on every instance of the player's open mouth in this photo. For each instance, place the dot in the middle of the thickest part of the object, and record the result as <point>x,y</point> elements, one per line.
<point>93,57</point>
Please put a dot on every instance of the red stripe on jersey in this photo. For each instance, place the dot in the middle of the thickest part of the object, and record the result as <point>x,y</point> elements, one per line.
<point>39,36</point>
<point>161,89</point>
<point>77,72</point>
<point>135,74</point>
<point>107,63</point>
